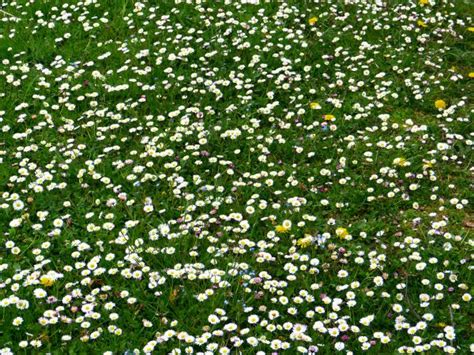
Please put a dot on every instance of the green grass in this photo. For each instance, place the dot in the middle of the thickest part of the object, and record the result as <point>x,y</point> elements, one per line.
<point>98,120</point>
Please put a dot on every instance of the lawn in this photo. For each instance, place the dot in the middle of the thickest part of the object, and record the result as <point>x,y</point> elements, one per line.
<point>224,177</point>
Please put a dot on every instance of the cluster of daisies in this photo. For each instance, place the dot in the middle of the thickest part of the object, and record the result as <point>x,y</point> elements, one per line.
<point>235,177</point>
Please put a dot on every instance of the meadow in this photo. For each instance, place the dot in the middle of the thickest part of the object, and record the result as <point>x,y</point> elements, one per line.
<point>236,178</point>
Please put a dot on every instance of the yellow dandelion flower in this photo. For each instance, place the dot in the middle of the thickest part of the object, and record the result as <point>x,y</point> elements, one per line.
<point>421,23</point>
<point>329,117</point>
<point>342,233</point>
<point>427,164</point>
<point>314,106</point>
<point>424,2</point>
<point>470,29</point>
<point>313,20</point>
<point>281,229</point>
<point>471,74</point>
<point>46,281</point>
<point>400,161</point>
<point>440,104</point>
<point>304,242</point>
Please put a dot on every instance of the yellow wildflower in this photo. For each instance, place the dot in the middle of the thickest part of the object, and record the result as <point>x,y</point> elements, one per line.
<point>304,242</point>
<point>284,227</point>
<point>313,20</point>
<point>46,281</point>
<point>424,2</point>
<point>421,23</point>
<point>401,162</point>
<point>314,106</point>
<point>470,29</point>
<point>440,104</point>
<point>281,229</point>
<point>329,117</point>
<point>471,74</point>
<point>342,233</point>
<point>427,164</point>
